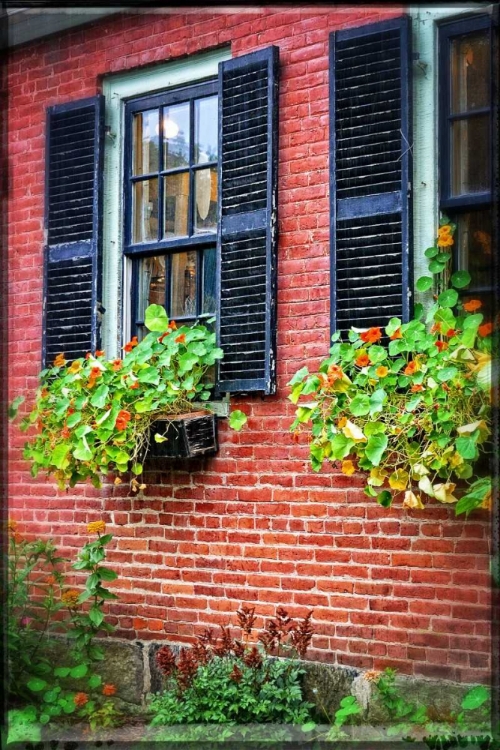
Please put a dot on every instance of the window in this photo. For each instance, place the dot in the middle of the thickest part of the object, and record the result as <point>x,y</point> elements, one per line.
<point>465,140</point>
<point>171,147</point>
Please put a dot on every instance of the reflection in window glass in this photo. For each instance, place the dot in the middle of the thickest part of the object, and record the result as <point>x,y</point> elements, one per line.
<point>145,210</point>
<point>183,289</point>
<point>474,246</point>
<point>145,142</point>
<point>470,155</point>
<point>206,130</point>
<point>209,299</point>
<point>205,186</point>
<point>470,72</point>
<point>151,283</point>
<point>176,136</point>
<point>176,210</point>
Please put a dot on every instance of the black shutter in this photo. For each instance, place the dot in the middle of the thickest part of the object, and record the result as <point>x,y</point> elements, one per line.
<point>73,216</point>
<point>246,272</point>
<point>370,152</point>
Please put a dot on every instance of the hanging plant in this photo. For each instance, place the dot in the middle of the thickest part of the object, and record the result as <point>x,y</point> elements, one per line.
<point>412,409</point>
<point>95,415</point>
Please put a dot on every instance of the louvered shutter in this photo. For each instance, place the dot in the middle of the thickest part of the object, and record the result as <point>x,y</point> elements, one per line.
<point>370,154</point>
<point>73,216</point>
<point>246,272</point>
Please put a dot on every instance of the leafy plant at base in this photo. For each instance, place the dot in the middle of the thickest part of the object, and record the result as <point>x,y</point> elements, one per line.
<point>229,681</point>
<point>95,415</point>
<point>414,413</point>
<point>36,599</point>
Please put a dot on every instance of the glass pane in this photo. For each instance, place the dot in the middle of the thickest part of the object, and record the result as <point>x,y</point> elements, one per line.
<point>205,130</point>
<point>176,136</point>
<point>183,289</point>
<point>209,256</point>
<point>176,204</point>
<point>470,144</point>
<point>470,72</point>
<point>145,211</point>
<point>205,189</point>
<point>145,142</point>
<point>474,247</point>
<point>152,284</point>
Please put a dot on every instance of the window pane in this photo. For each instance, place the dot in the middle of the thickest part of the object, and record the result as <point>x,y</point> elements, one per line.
<point>205,188</point>
<point>470,143</point>
<point>176,136</point>
<point>152,284</point>
<point>474,247</point>
<point>209,257</point>
<point>183,285</point>
<point>145,142</point>
<point>470,72</point>
<point>176,204</point>
<point>145,211</point>
<point>206,130</point>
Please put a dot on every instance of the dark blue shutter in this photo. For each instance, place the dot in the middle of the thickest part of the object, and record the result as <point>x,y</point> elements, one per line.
<point>246,271</point>
<point>73,217</point>
<point>370,152</point>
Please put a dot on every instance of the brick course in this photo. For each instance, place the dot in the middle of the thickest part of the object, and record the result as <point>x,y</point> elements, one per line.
<point>254,524</point>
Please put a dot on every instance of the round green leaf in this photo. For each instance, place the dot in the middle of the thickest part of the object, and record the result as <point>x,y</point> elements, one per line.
<point>436,267</point>
<point>94,681</point>
<point>431,252</point>
<point>79,671</point>
<point>476,697</point>
<point>424,283</point>
<point>384,498</point>
<point>237,419</point>
<point>461,279</point>
<point>44,719</point>
<point>155,318</point>
<point>36,684</point>
<point>449,298</point>
<point>360,405</point>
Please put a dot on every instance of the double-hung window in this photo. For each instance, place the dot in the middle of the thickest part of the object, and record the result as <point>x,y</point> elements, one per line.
<point>171,146</point>
<point>465,140</point>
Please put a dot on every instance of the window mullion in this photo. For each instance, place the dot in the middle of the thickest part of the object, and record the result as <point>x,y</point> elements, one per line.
<point>191,173</point>
<point>160,178</point>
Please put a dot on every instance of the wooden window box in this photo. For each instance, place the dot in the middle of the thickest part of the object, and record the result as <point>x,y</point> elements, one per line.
<point>188,436</point>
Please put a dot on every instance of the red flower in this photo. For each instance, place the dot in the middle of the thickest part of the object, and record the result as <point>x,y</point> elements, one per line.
<point>362,360</point>
<point>122,419</point>
<point>451,332</point>
<point>117,365</point>
<point>417,388</point>
<point>99,352</point>
<point>181,339</point>
<point>108,689</point>
<point>172,325</point>
<point>411,368</point>
<point>441,345</point>
<point>485,329</point>
<point>134,385</point>
<point>81,699</point>
<point>371,335</point>
<point>473,305</point>
<point>133,342</point>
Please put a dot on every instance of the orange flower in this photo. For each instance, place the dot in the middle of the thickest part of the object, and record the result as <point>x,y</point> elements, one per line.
<point>396,335</point>
<point>88,355</point>
<point>12,525</point>
<point>441,345</point>
<point>95,373</point>
<point>411,368</point>
<point>451,332</point>
<point>59,360</point>
<point>99,352</point>
<point>362,360</point>
<point>444,231</point>
<point>335,372</point>
<point>70,598</point>
<point>417,388</point>
<point>342,422</point>
<point>80,699</point>
<point>181,339</point>
<point>371,335</point>
<point>71,411</point>
<point>96,527</point>
<point>348,468</point>
<point>473,305</point>
<point>436,328</point>
<point>172,325</point>
<point>444,240</point>
<point>108,689</point>
<point>485,329</point>
<point>117,364</point>
<point>122,419</point>
<point>381,371</point>
<point>133,342</point>
<point>65,433</point>
<point>163,336</point>
<point>51,580</point>
<point>134,385</point>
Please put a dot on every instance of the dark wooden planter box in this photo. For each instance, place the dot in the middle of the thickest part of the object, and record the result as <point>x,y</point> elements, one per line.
<point>187,436</point>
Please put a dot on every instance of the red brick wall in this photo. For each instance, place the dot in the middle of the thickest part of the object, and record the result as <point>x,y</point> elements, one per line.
<point>254,524</point>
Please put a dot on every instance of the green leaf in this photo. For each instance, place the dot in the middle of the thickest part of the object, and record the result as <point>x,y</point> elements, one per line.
<point>392,326</point>
<point>299,376</point>
<point>311,385</point>
<point>424,283</point>
<point>412,403</point>
<point>377,401</point>
<point>377,353</point>
<point>44,718</point>
<point>94,681</point>
<point>447,373</point>
<point>475,698</point>
<point>155,318</point>
<point>137,469</point>
<point>384,498</point>
<point>187,362</point>
<point>160,438</point>
<point>418,311</point>
<point>14,406</point>
<point>475,497</point>
<point>340,445</point>
<point>431,252</point>
<point>375,447</point>
<point>61,671</point>
<point>448,298</point>
<point>309,726</point>
<point>73,419</point>
<point>36,684</point>
<point>436,267</point>
<point>107,574</point>
<point>100,396</point>
<point>466,445</point>
<point>95,616</point>
<point>59,455</point>
<point>237,419</point>
<point>82,451</point>
<point>461,279</point>
<point>79,671</point>
<point>360,405</point>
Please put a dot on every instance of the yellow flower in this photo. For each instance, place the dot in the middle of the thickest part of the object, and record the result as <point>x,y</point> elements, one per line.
<point>445,241</point>
<point>70,598</point>
<point>371,675</point>
<point>60,360</point>
<point>75,367</point>
<point>348,468</point>
<point>381,371</point>
<point>342,422</point>
<point>96,527</point>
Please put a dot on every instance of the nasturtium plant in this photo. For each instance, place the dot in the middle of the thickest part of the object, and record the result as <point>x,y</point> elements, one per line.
<point>411,408</point>
<point>95,415</point>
